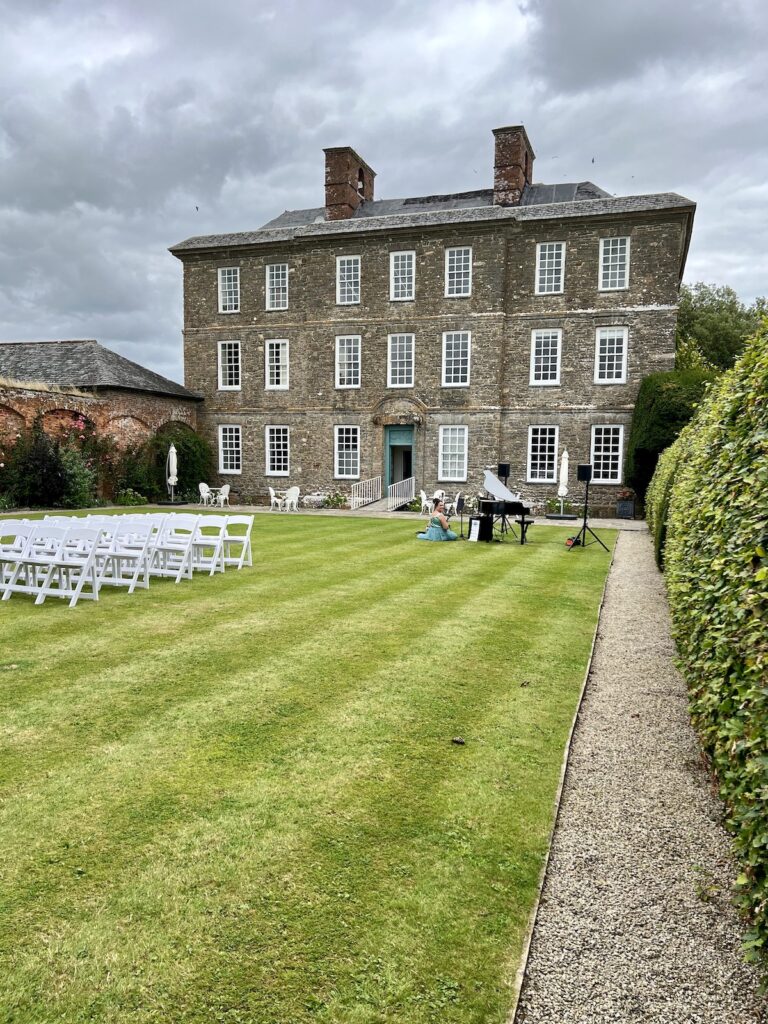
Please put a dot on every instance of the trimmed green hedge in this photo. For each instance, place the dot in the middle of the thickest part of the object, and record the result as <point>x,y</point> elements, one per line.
<point>665,403</point>
<point>716,565</point>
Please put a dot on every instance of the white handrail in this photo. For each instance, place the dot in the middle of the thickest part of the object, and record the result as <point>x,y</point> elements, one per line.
<point>401,493</point>
<point>366,491</point>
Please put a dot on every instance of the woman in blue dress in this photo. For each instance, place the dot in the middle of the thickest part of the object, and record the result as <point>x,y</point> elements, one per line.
<point>438,525</point>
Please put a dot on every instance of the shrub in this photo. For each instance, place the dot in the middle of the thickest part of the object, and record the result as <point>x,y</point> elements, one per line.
<point>79,478</point>
<point>194,454</point>
<point>35,475</point>
<point>141,468</point>
<point>335,500</point>
<point>658,494</point>
<point>665,403</point>
<point>129,497</point>
<point>717,577</point>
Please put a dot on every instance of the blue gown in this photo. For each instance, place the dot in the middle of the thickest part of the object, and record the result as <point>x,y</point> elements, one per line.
<point>435,531</point>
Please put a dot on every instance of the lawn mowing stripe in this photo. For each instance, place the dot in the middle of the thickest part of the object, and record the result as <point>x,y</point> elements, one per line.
<point>164,660</point>
<point>175,708</point>
<point>462,609</point>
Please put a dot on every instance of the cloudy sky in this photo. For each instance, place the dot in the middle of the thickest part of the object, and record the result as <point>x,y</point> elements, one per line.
<point>128,125</point>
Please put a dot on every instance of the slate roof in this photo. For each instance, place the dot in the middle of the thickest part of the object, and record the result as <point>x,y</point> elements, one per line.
<point>82,364</point>
<point>539,202</point>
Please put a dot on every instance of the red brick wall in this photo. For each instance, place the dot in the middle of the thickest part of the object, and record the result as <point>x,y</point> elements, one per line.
<point>129,416</point>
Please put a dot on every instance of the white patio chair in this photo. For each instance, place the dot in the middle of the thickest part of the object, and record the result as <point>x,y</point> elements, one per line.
<point>72,567</point>
<point>205,494</point>
<point>426,504</point>
<point>234,540</point>
<point>125,562</point>
<point>292,499</point>
<point>223,496</point>
<point>439,493</point>
<point>275,502</point>
<point>208,545</point>
<point>450,506</point>
<point>171,553</point>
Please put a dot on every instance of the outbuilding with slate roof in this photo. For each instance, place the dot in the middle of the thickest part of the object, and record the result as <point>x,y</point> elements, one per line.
<point>423,339</point>
<point>66,380</point>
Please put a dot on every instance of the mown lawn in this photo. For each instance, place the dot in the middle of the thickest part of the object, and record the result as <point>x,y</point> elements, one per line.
<point>237,799</point>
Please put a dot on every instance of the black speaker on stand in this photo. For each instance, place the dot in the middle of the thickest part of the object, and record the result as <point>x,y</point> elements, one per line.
<point>584,475</point>
<point>502,472</point>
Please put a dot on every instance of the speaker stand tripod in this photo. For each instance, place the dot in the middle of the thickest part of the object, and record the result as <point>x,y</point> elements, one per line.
<point>580,540</point>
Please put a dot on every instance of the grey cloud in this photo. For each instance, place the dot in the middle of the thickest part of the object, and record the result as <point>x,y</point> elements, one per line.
<point>125,128</point>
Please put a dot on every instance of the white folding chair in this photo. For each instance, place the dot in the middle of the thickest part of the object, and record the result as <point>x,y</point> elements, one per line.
<point>14,536</point>
<point>292,499</point>
<point>172,548</point>
<point>208,545</point>
<point>235,540</point>
<point>31,563</point>
<point>125,561</point>
<point>73,567</point>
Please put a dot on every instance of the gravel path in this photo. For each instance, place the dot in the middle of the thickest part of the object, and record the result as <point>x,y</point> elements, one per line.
<point>635,922</point>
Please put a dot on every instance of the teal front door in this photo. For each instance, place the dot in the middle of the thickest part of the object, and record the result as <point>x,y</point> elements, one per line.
<point>398,454</point>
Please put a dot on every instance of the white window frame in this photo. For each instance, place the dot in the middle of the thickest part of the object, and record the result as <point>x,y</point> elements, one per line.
<point>239,429</point>
<point>600,266</point>
<point>336,473</point>
<point>348,302</point>
<point>445,381</point>
<point>282,386</point>
<point>219,276</point>
<point>442,475</point>
<point>269,287</point>
<point>390,339</point>
<point>268,449</point>
<point>622,379</point>
<point>222,385</point>
<point>620,473</point>
<point>349,337</point>
<point>530,478</point>
<point>458,295</point>
<point>532,378</point>
<point>392,257</point>
<point>549,291</point>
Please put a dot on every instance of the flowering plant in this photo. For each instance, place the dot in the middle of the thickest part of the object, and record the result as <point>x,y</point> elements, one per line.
<point>625,494</point>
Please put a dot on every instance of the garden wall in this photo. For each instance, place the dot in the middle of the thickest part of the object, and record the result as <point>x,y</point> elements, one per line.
<point>129,416</point>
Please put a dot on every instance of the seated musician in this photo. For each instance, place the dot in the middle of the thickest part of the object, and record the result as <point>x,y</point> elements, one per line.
<point>438,525</point>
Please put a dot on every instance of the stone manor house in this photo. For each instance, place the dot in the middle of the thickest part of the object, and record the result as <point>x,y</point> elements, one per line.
<point>433,336</point>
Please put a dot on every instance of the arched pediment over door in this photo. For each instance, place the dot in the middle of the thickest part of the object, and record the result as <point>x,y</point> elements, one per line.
<point>399,410</point>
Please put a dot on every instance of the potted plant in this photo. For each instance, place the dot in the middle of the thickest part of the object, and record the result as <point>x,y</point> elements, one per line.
<point>625,503</point>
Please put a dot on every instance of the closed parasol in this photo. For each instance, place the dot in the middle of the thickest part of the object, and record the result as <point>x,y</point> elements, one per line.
<point>172,470</point>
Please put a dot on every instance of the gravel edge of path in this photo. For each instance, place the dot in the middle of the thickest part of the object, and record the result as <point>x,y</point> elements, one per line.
<point>634,920</point>
<point>533,916</point>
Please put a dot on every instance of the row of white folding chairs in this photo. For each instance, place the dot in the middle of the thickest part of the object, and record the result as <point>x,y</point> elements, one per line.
<point>63,555</point>
<point>179,546</point>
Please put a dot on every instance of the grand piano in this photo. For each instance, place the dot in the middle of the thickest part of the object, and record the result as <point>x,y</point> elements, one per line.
<point>501,508</point>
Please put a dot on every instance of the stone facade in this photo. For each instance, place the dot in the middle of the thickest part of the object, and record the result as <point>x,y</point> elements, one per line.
<point>500,404</point>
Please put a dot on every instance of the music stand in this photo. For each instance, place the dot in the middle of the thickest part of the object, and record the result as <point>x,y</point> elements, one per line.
<point>460,510</point>
<point>580,540</point>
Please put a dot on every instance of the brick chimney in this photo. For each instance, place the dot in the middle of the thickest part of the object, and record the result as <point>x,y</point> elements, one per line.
<point>512,166</point>
<point>348,182</point>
